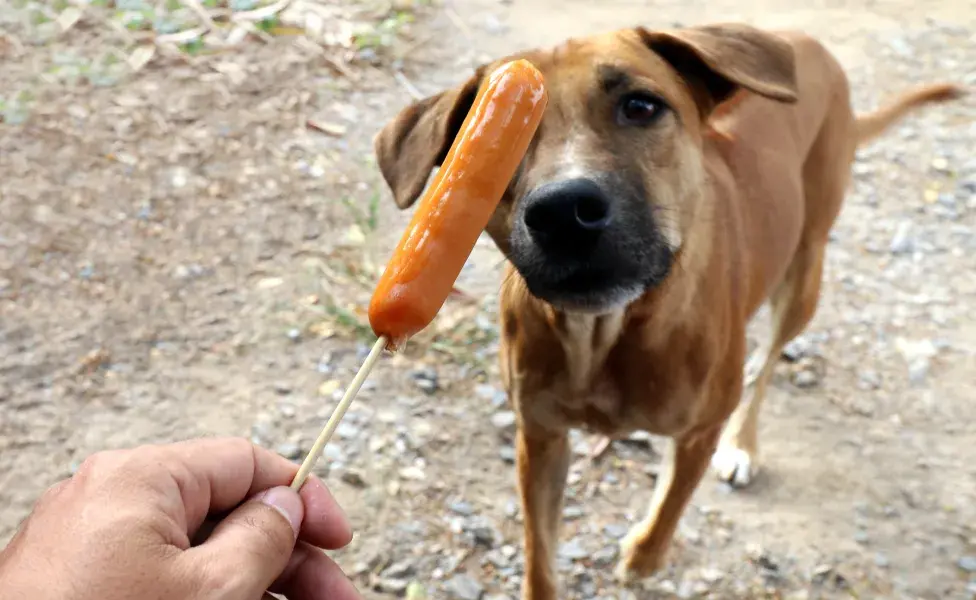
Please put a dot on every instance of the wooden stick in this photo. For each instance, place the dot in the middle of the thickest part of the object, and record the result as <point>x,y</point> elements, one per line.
<point>340,410</point>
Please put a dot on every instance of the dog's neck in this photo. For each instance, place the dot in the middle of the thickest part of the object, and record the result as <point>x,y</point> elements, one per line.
<point>587,340</point>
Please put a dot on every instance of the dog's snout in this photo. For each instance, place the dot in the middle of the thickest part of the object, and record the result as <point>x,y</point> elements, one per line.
<point>565,213</point>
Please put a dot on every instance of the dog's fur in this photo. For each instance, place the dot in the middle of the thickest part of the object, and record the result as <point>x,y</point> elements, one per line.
<point>720,201</point>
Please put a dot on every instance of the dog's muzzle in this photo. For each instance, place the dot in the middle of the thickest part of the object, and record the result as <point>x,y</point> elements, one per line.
<point>586,243</point>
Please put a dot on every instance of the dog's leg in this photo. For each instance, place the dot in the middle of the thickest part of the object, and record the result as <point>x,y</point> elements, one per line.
<point>755,362</point>
<point>543,462</point>
<point>793,305</point>
<point>644,550</point>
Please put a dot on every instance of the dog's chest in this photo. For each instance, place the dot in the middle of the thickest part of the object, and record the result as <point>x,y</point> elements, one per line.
<point>609,388</point>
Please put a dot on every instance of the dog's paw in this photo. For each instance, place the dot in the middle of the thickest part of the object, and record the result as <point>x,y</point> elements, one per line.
<point>734,465</point>
<point>637,562</point>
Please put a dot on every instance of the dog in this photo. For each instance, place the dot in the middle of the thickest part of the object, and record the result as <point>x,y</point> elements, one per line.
<point>678,181</point>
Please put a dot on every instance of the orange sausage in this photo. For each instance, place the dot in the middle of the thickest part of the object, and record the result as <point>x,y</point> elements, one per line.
<point>458,204</point>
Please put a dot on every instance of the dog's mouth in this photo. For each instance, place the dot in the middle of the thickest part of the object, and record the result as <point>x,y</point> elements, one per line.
<point>585,247</point>
<point>600,285</point>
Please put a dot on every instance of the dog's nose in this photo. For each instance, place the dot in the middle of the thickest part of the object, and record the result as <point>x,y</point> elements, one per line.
<point>567,213</point>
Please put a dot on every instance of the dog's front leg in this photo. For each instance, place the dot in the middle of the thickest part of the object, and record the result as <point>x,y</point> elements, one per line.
<point>645,548</point>
<point>543,462</point>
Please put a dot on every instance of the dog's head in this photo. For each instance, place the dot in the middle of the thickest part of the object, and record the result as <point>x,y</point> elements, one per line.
<point>613,180</point>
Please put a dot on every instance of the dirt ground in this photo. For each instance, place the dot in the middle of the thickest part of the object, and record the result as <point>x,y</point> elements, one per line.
<point>186,251</point>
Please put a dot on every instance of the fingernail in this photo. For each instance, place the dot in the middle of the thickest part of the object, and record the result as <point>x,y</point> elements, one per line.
<point>287,502</point>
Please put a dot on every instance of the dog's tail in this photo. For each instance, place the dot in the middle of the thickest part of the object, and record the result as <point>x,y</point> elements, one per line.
<point>873,124</point>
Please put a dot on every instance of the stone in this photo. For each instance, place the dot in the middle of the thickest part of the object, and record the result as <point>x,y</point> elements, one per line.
<point>391,586</point>
<point>571,513</point>
<point>573,550</point>
<point>605,556</point>
<point>615,531</point>
<point>902,241</point>
<point>461,507</point>
<point>426,380</point>
<point>967,564</point>
<point>464,587</point>
<point>504,420</point>
<point>354,479</point>
<point>399,570</point>
<point>289,450</point>
<point>805,379</point>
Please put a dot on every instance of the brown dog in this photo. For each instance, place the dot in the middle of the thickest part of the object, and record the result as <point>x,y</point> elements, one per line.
<point>678,181</point>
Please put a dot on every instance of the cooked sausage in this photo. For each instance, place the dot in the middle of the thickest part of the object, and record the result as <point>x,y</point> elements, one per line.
<point>458,204</point>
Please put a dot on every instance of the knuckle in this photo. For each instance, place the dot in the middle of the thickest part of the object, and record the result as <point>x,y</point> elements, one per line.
<point>270,535</point>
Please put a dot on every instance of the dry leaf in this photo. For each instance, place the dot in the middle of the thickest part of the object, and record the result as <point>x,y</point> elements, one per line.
<point>68,18</point>
<point>333,129</point>
<point>270,282</point>
<point>140,57</point>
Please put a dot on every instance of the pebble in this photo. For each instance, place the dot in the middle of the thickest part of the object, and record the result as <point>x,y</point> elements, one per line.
<point>289,450</point>
<point>615,531</point>
<point>902,242</point>
<point>507,454</point>
<point>399,570</point>
<point>497,397</point>
<point>573,550</point>
<point>805,379</point>
<point>426,380</point>
<point>347,430</point>
<point>868,379</point>
<point>711,575</point>
<point>504,420</point>
<point>483,532</point>
<point>391,586</point>
<point>571,513</point>
<point>282,389</point>
<point>353,478</point>
<point>464,587</point>
<point>294,334</point>
<point>605,556</point>
<point>967,564</point>
<point>461,507</point>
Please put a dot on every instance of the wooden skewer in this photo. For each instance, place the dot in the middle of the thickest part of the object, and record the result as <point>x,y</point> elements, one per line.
<point>340,410</point>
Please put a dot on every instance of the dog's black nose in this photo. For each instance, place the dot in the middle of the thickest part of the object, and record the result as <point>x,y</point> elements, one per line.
<point>567,215</point>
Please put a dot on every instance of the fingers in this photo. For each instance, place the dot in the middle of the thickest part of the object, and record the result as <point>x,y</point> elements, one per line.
<point>311,575</point>
<point>250,548</point>
<point>220,473</point>
<point>229,470</point>
<point>213,475</point>
<point>325,525</point>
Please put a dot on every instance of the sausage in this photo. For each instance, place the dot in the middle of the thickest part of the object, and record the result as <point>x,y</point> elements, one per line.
<point>458,204</point>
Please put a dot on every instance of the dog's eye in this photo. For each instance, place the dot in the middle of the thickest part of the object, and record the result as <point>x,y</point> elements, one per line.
<point>639,109</point>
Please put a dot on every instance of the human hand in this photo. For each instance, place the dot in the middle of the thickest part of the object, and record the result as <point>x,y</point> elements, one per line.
<point>128,525</point>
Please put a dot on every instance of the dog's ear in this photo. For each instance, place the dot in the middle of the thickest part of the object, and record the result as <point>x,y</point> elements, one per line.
<point>418,139</point>
<point>716,60</point>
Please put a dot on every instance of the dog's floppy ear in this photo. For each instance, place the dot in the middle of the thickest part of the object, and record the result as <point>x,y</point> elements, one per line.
<point>418,139</point>
<point>720,58</point>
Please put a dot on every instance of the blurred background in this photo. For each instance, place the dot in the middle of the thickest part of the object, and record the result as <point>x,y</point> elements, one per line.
<point>191,223</point>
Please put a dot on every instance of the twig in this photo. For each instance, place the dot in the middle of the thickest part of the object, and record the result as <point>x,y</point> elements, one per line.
<point>200,11</point>
<point>407,85</point>
<point>458,22</point>
<point>413,47</point>
<point>340,410</point>
<point>181,37</point>
<point>338,66</point>
<point>260,14</point>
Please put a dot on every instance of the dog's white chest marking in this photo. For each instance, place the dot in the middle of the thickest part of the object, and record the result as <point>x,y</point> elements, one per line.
<point>587,340</point>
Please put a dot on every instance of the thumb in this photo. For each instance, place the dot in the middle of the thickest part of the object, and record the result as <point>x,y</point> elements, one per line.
<point>250,548</point>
